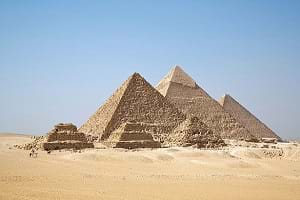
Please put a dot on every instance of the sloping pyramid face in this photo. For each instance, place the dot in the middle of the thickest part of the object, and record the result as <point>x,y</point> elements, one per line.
<point>242,115</point>
<point>192,100</point>
<point>135,101</point>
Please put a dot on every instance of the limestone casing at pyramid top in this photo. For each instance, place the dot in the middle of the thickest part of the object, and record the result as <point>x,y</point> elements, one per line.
<point>177,75</point>
<point>222,99</point>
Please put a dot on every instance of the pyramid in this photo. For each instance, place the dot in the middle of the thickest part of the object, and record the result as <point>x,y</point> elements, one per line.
<point>181,90</point>
<point>131,135</point>
<point>135,101</point>
<point>246,118</point>
<point>66,136</point>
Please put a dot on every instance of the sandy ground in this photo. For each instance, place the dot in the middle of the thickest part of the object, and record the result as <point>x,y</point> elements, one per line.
<point>169,173</point>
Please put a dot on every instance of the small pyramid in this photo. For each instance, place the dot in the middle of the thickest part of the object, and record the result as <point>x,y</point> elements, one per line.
<point>181,90</point>
<point>246,118</point>
<point>66,136</point>
<point>135,101</point>
<point>131,135</point>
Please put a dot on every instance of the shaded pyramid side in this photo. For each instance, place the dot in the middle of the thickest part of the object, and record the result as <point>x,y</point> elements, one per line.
<point>194,101</point>
<point>245,117</point>
<point>138,102</point>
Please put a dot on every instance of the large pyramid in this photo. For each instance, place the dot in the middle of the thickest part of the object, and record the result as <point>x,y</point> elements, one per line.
<point>181,90</point>
<point>136,101</point>
<point>246,118</point>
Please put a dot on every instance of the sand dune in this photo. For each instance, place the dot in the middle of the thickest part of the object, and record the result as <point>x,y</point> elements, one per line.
<point>239,172</point>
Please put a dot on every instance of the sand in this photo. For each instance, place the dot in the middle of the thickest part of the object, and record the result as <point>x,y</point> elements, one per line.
<point>170,173</point>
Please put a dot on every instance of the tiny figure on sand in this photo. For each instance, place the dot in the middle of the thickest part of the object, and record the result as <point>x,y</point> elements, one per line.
<point>33,153</point>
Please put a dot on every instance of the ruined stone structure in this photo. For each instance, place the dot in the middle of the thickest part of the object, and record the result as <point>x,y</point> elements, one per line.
<point>181,90</point>
<point>66,136</point>
<point>65,132</point>
<point>131,135</point>
<point>133,113</point>
<point>194,132</point>
<point>246,118</point>
<point>37,143</point>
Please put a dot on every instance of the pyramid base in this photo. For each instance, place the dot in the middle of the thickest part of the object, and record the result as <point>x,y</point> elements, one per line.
<point>66,145</point>
<point>133,144</point>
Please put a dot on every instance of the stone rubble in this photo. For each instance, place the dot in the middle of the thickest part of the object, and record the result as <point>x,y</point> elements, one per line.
<point>35,144</point>
<point>194,132</point>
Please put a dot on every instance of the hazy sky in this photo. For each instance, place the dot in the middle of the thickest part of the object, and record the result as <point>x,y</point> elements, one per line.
<point>60,60</point>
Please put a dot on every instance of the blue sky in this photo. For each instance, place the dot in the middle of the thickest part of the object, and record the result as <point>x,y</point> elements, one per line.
<point>60,60</point>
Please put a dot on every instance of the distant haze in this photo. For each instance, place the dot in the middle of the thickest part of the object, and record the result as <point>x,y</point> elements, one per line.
<point>60,60</point>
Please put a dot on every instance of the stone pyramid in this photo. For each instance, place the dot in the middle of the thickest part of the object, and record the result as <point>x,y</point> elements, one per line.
<point>132,135</point>
<point>66,136</point>
<point>246,118</point>
<point>181,90</point>
<point>136,101</point>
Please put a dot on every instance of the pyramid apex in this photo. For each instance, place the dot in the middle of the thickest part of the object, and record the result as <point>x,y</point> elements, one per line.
<point>177,75</point>
<point>177,67</point>
<point>135,74</point>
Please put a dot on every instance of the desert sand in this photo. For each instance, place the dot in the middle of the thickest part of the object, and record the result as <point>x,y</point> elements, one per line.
<point>234,172</point>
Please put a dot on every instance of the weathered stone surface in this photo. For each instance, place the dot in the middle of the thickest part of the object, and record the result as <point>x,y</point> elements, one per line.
<point>65,132</point>
<point>135,101</point>
<point>246,118</point>
<point>65,136</point>
<point>192,100</point>
<point>132,135</point>
<point>194,132</point>
<point>66,145</point>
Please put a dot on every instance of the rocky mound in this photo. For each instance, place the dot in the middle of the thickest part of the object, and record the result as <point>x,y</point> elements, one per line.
<point>35,144</point>
<point>194,132</point>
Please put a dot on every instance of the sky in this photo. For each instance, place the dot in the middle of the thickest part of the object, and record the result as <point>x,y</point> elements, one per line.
<point>60,60</point>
